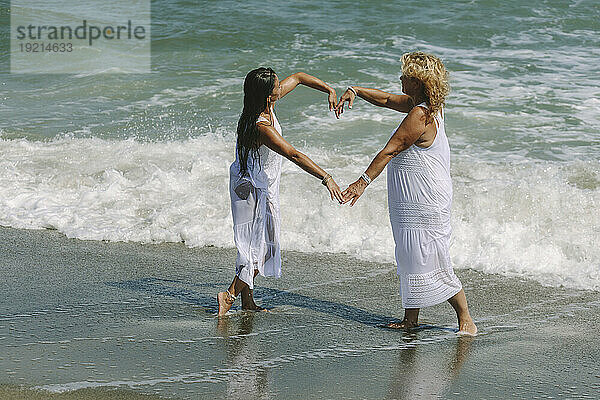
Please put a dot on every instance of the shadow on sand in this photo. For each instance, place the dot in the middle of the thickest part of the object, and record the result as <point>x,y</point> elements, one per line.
<point>181,291</point>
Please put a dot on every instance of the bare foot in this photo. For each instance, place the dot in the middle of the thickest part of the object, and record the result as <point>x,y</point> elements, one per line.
<point>253,307</point>
<point>467,328</point>
<point>405,324</point>
<point>225,303</point>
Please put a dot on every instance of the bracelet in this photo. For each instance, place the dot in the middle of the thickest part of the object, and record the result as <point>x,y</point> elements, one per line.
<point>350,88</point>
<point>326,179</point>
<point>366,178</point>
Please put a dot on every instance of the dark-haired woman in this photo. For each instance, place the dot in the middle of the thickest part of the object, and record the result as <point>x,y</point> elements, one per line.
<point>254,181</point>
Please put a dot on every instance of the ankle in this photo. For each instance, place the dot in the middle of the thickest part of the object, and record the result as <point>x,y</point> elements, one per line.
<point>229,297</point>
<point>464,318</point>
<point>411,316</point>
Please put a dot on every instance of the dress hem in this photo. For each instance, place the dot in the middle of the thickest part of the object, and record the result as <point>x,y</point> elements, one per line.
<point>434,301</point>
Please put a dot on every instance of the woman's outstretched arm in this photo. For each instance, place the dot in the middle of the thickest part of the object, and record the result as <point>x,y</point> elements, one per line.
<point>301,78</point>
<point>274,141</point>
<point>398,102</point>
<point>411,128</point>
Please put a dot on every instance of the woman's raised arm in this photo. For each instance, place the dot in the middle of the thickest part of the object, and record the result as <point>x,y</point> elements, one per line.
<point>301,78</point>
<point>398,102</point>
<point>411,128</point>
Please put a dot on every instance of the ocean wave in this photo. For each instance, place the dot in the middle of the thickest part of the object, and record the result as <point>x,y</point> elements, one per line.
<point>532,219</point>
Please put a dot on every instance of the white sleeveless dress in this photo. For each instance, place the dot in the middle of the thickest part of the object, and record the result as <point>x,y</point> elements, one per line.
<point>255,210</point>
<point>419,200</point>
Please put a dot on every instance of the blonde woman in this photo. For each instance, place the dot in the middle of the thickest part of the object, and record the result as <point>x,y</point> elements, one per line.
<point>419,188</point>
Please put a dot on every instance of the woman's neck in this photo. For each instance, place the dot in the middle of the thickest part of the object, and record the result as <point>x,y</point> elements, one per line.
<point>419,98</point>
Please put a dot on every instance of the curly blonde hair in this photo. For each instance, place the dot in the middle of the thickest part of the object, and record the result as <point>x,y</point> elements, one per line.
<point>430,70</point>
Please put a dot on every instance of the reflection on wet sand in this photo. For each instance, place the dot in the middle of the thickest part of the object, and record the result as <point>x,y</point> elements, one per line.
<point>426,374</point>
<point>242,350</point>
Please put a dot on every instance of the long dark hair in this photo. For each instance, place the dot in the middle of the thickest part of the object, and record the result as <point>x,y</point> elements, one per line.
<point>258,86</point>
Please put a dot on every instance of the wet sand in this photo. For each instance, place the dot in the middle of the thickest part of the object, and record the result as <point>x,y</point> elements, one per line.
<point>15,392</point>
<point>119,319</point>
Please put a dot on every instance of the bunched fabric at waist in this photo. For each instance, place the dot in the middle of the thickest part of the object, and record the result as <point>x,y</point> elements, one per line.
<point>254,178</point>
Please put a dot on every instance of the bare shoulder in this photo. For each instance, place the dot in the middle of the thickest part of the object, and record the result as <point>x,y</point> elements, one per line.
<point>263,123</point>
<point>417,113</point>
<point>266,128</point>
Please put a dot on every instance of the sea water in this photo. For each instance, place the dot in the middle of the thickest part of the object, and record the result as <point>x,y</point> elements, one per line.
<point>145,157</point>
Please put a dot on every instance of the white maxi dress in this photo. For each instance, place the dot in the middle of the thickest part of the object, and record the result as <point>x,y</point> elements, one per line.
<point>255,210</point>
<point>419,200</point>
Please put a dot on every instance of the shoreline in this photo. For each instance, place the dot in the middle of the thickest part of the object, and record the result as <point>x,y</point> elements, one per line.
<point>103,316</point>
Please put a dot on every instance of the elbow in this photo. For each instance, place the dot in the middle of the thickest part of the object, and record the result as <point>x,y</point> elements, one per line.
<point>398,150</point>
<point>295,157</point>
<point>391,153</point>
<point>388,156</point>
<point>300,77</point>
<point>386,103</point>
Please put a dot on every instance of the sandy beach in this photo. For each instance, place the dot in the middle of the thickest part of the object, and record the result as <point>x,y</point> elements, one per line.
<point>89,319</point>
<point>116,228</point>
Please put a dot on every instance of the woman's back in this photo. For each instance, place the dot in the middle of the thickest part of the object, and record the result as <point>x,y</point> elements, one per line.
<point>263,171</point>
<point>270,161</point>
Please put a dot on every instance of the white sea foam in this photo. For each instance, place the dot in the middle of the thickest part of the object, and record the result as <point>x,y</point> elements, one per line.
<point>537,220</point>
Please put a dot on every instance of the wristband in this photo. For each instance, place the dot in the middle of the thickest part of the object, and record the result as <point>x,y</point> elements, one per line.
<point>350,88</point>
<point>366,178</point>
